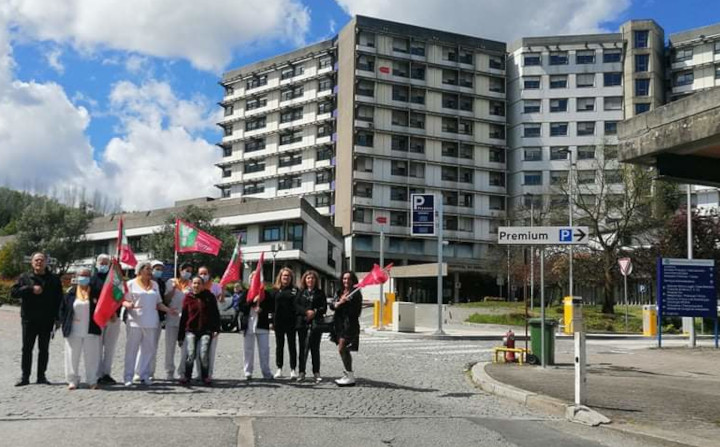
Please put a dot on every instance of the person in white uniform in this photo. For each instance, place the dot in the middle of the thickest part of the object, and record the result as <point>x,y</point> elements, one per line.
<point>82,335</point>
<point>111,331</point>
<point>141,302</point>
<point>175,291</point>
<point>255,320</point>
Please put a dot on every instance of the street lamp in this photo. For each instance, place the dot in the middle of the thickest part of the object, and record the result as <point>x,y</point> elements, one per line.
<point>532,252</point>
<point>274,249</point>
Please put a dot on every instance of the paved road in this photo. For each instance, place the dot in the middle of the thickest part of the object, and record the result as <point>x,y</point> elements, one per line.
<point>410,393</point>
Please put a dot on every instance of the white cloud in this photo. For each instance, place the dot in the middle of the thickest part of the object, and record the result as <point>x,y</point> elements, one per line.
<point>53,59</point>
<point>492,19</point>
<point>205,34</point>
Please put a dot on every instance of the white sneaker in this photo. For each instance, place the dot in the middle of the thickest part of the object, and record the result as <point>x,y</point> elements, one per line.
<point>318,379</point>
<point>127,384</point>
<point>293,374</point>
<point>278,373</point>
<point>136,378</point>
<point>348,380</point>
<point>147,382</point>
<point>301,377</point>
<point>337,381</point>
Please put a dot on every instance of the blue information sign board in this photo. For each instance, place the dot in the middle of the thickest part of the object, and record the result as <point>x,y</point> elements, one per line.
<point>422,222</point>
<point>686,288</point>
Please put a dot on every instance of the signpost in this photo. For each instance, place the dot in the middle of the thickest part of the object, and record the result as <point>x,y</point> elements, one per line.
<point>686,288</point>
<point>381,220</point>
<point>625,269</point>
<point>423,220</point>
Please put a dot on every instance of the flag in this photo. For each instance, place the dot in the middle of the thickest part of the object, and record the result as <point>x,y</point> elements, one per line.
<point>232,272</point>
<point>111,295</point>
<point>257,288</point>
<point>189,239</point>
<point>125,252</point>
<point>376,276</point>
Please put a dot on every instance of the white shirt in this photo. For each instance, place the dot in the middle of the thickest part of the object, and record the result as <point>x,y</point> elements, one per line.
<point>81,318</point>
<point>176,300</point>
<point>145,314</point>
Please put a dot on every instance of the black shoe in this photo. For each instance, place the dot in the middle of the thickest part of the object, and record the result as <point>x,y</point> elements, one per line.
<point>22,382</point>
<point>43,381</point>
<point>109,380</point>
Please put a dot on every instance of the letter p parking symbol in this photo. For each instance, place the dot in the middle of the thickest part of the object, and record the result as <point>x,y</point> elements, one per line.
<point>566,235</point>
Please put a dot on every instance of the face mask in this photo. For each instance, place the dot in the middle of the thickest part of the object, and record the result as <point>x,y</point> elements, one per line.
<point>205,278</point>
<point>103,268</point>
<point>83,280</point>
<point>157,274</point>
<point>185,275</point>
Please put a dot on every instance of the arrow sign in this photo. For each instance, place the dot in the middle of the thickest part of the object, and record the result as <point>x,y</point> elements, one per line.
<point>543,235</point>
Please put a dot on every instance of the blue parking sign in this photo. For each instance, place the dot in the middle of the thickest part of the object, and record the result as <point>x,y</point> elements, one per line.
<point>422,215</point>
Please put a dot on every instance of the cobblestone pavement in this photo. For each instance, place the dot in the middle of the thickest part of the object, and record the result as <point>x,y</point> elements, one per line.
<point>410,392</point>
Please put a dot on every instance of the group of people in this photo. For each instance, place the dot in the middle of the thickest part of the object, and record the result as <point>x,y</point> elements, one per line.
<point>186,308</point>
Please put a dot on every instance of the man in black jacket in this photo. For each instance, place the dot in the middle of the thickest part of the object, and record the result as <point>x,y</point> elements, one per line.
<point>40,293</point>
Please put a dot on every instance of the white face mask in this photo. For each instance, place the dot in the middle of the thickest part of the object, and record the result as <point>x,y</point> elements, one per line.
<point>185,275</point>
<point>205,278</point>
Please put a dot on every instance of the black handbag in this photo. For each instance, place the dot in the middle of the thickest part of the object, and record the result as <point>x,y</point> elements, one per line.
<point>324,324</point>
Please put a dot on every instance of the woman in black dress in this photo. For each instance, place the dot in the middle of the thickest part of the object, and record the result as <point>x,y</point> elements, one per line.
<point>347,309</point>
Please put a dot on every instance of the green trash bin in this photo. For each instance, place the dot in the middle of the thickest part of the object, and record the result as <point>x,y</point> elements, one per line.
<point>535,339</point>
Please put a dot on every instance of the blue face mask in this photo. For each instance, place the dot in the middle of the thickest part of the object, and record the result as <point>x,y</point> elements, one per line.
<point>157,274</point>
<point>103,268</point>
<point>83,280</point>
<point>186,275</point>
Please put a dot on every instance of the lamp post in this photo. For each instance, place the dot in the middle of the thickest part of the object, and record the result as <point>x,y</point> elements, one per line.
<point>274,249</point>
<point>570,218</point>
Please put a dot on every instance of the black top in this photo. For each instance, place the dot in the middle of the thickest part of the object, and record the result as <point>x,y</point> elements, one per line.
<point>314,299</point>
<point>265,316</point>
<point>42,308</point>
<point>347,319</point>
<point>284,316</point>
<point>66,313</point>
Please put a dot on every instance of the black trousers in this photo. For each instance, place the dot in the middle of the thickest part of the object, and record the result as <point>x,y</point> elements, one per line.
<point>313,349</point>
<point>281,333</point>
<point>32,330</point>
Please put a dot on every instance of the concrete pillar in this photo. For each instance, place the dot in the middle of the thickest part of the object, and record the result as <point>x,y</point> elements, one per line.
<point>456,287</point>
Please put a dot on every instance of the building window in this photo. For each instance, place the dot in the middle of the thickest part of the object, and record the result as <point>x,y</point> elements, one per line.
<point>465,200</point>
<point>531,130</point>
<point>532,178</point>
<point>292,93</point>
<point>585,57</point>
<point>256,103</point>
<point>683,54</point>
<point>642,63</point>
<point>291,137</point>
<point>641,39</point>
<point>585,104</point>
<point>585,80</point>
<point>289,182</point>
<point>256,144</point>
<point>253,188</point>
<point>612,55</point>
<point>497,108</point>
<point>400,93</point>
<point>450,77</point>
<point>399,167</point>
<point>366,88</point>
<point>531,106</point>
<point>325,107</point>
<point>229,110</point>
<point>256,82</point>
<point>324,153</point>
<point>398,193</point>
<point>585,128</point>
<point>531,59</point>
<point>417,72</point>
<point>642,107</point>
<point>612,79</point>
<point>559,152</point>
<point>362,215</point>
<point>612,177</point>
<point>450,198</point>
<point>417,96</point>
<point>496,178</point>
<point>291,115</point>
<point>417,145</point>
<point>613,103</point>
<point>322,200</point>
<point>401,69</point>
<point>417,170</point>
<point>642,87</point>
<point>684,78</point>
<point>288,160</point>
<point>532,154</point>
<point>330,254</point>
<point>465,56</point>
<point>497,203</point>
<point>253,166</point>
<point>558,105</point>
<point>417,120</point>
<point>449,54</point>
<point>558,81</point>
<point>497,62</point>
<point>364,139</point>
<point>291,72</point>
<point>399,143</point>
<point>610,127</point>
<point>324,130</point>
<point>225,193</point>
<point>364,164</point>
<point>497,85</point>
<point>366,39</point>
<point>229,90</point>
<point>399,118</point>
<point>258,123</point>
<point>585,152</point>
<point>496,131</point>
<point>365,113</point>
<point>401,45</point>
<point>497,155</point>
<point>449,149</point>
<point>325,62</point>
<point>717,47</point>
<point>325,84</point>
<point>366,63</point>
<point>558,58</point>
<point>465,103</point>
<point>227,172</point>
<point>450,223</point>
<point>227,151</point>
<point>717,72</point>
<point>610,152</point>
<point>466,79</point>
<point>531,82</point>
<point>448,174</point>
<point>398,218</point>
<point>449,101</point>
<point>558,177</point>
<point>558,129</point>
<point>586,177</point>
<point>271,233</point>
<point>450,125</point>
<point>228,131</point>
<point>364,190</point>
<point>417,48</point>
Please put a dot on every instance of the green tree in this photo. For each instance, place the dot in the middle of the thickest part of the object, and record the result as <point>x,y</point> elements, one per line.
<point>55,229</point>
<point>10,263</point>
<point>161,244</point>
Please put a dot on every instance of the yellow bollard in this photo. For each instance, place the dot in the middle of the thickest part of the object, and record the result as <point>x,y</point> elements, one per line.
<point>649,321</point>
<point>568,314</point>
<point>376,314</point>
<point>388,309</point>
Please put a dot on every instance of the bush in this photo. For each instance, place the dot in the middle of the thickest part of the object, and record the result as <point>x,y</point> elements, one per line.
<point>5,293</point>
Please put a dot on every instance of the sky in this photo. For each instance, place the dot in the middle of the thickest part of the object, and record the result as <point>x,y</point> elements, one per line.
<point>119,97</point>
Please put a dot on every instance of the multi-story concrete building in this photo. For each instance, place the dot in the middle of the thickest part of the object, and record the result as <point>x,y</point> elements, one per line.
<point>694,65</point>
<point>279,129</point>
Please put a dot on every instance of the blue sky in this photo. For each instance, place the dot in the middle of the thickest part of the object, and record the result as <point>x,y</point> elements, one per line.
<point>128,106</point>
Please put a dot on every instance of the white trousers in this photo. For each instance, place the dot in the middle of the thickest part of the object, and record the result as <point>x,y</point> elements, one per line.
<point>153,361</point>
<point>262,338</point>
<point>89,348</point>
<point>108,343</point>
<point>171,340</point>
<point>144,340</point>
<point>183,357</point>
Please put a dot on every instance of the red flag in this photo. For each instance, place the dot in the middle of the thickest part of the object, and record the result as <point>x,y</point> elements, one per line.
<point>189,239</point>
<point>125,252</point>
<point>376,276</point>
<point>111,295</point>
<point>257,288</point>
<point>232,272</point>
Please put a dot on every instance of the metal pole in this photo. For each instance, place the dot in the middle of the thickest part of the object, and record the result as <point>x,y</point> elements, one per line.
<point>580,357</point>
<point>532,256</point>
<point>382,265</point>
<point>570,215</point>
<point>508,273</point>
<point>626,303</point>
<point>690,254</point>
<point>440,263</point>
<point>542,306</point>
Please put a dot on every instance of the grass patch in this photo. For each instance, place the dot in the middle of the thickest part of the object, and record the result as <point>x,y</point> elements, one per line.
<point>506,319</point>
